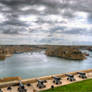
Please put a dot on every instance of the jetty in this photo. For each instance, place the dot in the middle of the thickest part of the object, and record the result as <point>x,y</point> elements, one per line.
<point>44,83</point>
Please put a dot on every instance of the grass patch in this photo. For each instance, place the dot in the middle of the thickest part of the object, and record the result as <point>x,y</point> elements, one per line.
<point>83,86</point>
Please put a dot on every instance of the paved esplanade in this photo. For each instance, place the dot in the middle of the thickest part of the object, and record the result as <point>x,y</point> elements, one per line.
<point>33,87</point>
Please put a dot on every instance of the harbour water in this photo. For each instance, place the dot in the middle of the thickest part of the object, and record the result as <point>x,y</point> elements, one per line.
<point>29,65</point>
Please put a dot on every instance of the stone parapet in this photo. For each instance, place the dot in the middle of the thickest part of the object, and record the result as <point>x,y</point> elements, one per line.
<point>12,81</point>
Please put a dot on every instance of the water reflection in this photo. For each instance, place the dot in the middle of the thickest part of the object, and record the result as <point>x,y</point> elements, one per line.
<point>28,65</point>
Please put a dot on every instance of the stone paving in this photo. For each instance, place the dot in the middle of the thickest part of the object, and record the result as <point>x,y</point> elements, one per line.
<point>34,88</point>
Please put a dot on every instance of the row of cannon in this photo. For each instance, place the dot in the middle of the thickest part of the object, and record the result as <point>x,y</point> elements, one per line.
<point>41,83</point>
<point>57,80</point>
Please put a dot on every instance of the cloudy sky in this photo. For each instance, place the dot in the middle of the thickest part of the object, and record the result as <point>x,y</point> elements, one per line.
<point>67,22</point>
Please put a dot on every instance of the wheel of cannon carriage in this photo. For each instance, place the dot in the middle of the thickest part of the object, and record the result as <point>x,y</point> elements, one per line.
<point>40,87</point>
<point>74,79</point>
<point>28,84</point>
<point>85,76</point>
<point>37,85</point>
<point>53,81</point>
<point>71,80</point>
<point>9,88</point>
<point>45,81</point>
<point>52,86</point>
<point>79,76</point>
<point>60,82</point>
<point>18,89</point>
<point>67,78</point>
<point>23,87</point>
<point>25,90</point>
<point>44,86</point>
<point>57,83</point>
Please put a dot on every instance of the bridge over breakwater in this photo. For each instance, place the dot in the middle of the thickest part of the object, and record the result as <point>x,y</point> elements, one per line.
<point>33,82</point>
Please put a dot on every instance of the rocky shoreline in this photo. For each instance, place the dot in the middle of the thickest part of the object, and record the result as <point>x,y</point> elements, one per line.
<point>67,52</point>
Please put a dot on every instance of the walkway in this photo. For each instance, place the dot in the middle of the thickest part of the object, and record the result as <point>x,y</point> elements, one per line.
<point>34,88</point>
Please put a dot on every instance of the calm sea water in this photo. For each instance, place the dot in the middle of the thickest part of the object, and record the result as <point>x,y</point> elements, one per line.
<point>29,65</point>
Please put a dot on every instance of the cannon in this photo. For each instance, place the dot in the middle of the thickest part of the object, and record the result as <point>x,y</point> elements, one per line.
<point>82,75</point>
<point>40,83</point>
<point>57,80</point>
<point>70,77</point>
<point>1,90</point>
<point>9,88</point>
<point>21,87</point>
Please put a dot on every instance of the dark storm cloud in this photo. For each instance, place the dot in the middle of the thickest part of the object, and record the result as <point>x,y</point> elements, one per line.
<point>46,17</point>
<point>11,29</point>
<point>53,6</point>
<point>74,31</point>
<point>14,23</point>
<point>90,19</point>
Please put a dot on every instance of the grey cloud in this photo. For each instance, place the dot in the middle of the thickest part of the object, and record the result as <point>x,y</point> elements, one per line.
<point>12,29</point>
<point>90,19</point>
<point>8,31</point>
<point>12,11</point>
<point>80,31</point>
<point>74,31</point>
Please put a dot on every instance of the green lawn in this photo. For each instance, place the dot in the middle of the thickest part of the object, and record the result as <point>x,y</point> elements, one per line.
<point>83,86</point>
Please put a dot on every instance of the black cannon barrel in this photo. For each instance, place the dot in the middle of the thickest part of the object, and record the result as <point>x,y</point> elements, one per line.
<point>56,78</point>
<point>69,75</point>
<point>40,81</point>
<point>21,85</point>
<point>82,73</point>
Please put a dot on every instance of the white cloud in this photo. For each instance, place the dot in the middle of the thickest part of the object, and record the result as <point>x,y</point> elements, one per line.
<point>34,7</point>
<point>2,18</point>
<point>40,8</point>
<point>27,18</point>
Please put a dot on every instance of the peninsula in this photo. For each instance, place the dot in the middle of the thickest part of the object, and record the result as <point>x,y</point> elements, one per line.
<point>65,52</point>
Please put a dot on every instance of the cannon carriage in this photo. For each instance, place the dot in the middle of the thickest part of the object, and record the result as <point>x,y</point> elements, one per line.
<point>70,77</point>
<point>57,80</point>
<point>82,75</point>
<point>21,87</point>
<point>40,83</point>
